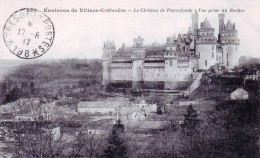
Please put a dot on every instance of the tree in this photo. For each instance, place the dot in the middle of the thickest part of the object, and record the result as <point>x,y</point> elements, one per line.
<point>159,110</point>
<point>116,147</point>
<point>190,133</point>
<point>3,91</point>
<point>119,126</point>
<point>32,88</point>
<point>239,121</point>
<point>162,145</point>
<point>230,130</point>
<point>13,95</point>
<point>88,144</point>
<point>190,118</point>
<point>36,139</point>
<point>109,88</point>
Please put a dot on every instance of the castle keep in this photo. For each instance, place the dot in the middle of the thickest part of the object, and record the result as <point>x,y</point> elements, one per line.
<point>172,64</point>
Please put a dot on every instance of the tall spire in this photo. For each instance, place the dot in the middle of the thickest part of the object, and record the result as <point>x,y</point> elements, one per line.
<point>179,39</point>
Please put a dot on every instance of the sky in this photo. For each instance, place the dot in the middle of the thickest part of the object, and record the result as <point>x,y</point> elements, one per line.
<point>81,35</point>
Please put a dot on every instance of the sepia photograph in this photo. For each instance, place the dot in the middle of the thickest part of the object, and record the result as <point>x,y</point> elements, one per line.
<point>129,79</point>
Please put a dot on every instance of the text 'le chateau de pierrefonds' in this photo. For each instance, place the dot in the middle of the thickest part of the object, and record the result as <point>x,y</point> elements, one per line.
<point>173,63</point>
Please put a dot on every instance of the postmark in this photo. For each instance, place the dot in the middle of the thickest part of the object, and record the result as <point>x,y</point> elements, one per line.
<point>28,33</point>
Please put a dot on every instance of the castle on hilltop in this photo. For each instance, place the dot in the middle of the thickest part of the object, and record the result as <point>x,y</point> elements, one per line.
<point>171,64</point>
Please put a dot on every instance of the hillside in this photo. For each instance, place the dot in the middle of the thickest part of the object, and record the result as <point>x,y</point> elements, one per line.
<point>71,77</point>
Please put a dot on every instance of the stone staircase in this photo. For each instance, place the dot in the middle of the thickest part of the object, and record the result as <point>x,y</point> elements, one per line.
<point>196,82</point>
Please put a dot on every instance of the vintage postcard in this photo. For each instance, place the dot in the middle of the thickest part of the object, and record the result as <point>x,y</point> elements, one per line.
<point>129,79</point>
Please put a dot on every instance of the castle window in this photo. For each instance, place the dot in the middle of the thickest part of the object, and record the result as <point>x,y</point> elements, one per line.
<point>212,54</point>
<point>170,63</point>
<point>206,63</point>
<point>158,75</point>
<point>212,47</point>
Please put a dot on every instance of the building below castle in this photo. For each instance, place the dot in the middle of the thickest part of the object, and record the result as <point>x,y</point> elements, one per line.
<point>175,63</point>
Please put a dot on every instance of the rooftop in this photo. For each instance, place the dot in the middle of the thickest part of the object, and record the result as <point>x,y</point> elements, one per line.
<point>153,124</point>
<point>239,91</point>
<point>107,103</point>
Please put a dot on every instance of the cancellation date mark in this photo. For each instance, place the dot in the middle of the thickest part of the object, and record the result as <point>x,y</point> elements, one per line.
<point>28,53</point>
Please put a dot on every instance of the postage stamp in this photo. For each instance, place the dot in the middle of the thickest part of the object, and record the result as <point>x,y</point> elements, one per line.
<point>28,33</point>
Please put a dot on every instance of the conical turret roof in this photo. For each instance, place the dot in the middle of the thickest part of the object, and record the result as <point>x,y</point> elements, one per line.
<point>179,39</point>
<point>229,25</point>
<point>206,24</point>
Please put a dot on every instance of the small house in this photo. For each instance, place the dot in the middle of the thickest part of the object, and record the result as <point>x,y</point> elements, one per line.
<point>239,94</point>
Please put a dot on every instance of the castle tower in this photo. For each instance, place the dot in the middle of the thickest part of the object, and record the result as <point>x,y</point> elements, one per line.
<point>221,18</point>
<point>229,43</point>
<point>193,30</point>
<point>138,56</point>
<point>109,51</point>
<point>171,71</point>
<point>194,25</point>
<point>206,46</point>
<point>170,43</point>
